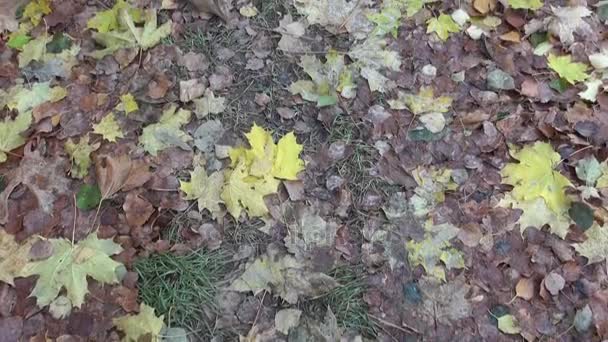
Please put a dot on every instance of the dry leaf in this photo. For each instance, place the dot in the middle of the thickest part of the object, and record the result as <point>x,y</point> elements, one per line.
<point>525,288</point>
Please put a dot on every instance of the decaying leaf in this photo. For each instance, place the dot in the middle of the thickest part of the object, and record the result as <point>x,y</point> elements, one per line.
<point>119,173</point>
<point>326,79</point>
<point>145,323</point>
<point>526,4</point>
<point>287,319</point>
<point>337,16</point>
<point>568,20</point>
<point>536,214</point>
<point>595,248</point>
<point>432,185</point>
<point>209,104</point>
<point>535,177</point>
<point>70,265</point>
<point>80,153</point>
<point>434,248</point>
<point>205,189</point>
<point>167,133</point>
<point>13,256</point>
<point>444,303</point>
<point>508,324</point>
<point>282,275</point>
<point>11,133</point>
<point>371,57</point>
<point>423,102</point>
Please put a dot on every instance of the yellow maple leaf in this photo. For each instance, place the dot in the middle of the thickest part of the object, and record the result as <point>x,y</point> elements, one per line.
<point>537,214</point>
<point>423,102</point>
<point>243,191</point>
<point>535,177</point>
<point>287,163</point>
<point>108,128</point>
<point>10,133</point>
<point>13,256</point>
<point>128,103</point>
<point>144,323</point>
<point>442,26</point>
<point>205,189</point>
<point>595,248</point>
<point>35,10</point>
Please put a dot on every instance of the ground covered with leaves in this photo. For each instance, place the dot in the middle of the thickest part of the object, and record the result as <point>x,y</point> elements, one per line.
<point>303,170</point>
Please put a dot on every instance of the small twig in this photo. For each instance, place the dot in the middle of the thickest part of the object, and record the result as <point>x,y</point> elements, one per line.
<point>389,324</point>
<point>257,315</point>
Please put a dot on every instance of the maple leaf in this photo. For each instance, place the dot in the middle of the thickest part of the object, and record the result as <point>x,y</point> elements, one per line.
<point>205,189</point>
<point>435,247</point>
<point>80,153</point>
<point>166,133</point>
<point>536,214</point>
<point>442,26</point>
<point>35,10</point>
<point>33,50</point>
<point>444,302</point>
<point>69,266</point>
<point>371,56</point>
<point>283,275</point>
<point>526,4</point>
<point>128,103</point>
<point>336,16</point>
<point>326,79</point>
<point>10,133</point>
<point>137,326</point>
<point>570,71</point>
<point>567,20</point>
<point>387,21</point>
<point>108,20</point>
<point>242,191</point>
<point>13,256</point>
<point>209,104</point>
<point>534,176</point>
<point>432,185</point>
<point>424,102</point>
<point>108,128</point>
<point>24,99</point>
<point>128,35</point>
<point>595,248</point>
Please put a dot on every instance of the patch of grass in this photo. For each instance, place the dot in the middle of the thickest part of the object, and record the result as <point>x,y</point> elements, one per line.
<point>248,233</point>
<point>346,302</point>
<point>183,287</point>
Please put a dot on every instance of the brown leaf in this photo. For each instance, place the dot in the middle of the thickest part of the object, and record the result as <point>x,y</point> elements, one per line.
<point>554,283</point>
<point>112,173</point>
<point>512,36</point>
<point>525,288</point>
<point>220,8</point>
<point>137,209</point>
<point>484,6</point>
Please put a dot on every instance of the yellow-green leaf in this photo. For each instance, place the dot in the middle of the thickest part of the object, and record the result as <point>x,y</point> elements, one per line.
<point>10,133</point>
<point>536,213</point>
<point>595,248</point>
<point>36,9</point>
<point>145,323</point>
<point>442,26</point>
<point>13,256</point>
<point>34,50</point>
<point>166,132</point>
<point>108,128</point>
<point>107,20</point>
<point>508,324</point>
<point>205,189</point>
<point>570,71</point>
<point>526,4</point>
<point>535,177</point>
<point>70,265</point>
<point>423,102</point>
<point>80,153</point>
<point>287,163</point>
<point>129,105</point>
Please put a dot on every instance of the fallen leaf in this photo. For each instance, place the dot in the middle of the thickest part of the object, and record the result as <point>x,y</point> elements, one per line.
<point>525,288</point>
<point>69,266</point>
<point>567,20</point>
<point>80,153</point>
<point>566,69</point>
<point>534,176</point>
<point>128,103</point>
<point>191,89</point>
<point>508,324</point>
<point>484,6</point>
<point>137,209</point>
<point>10,133</point>
<point>371,57</point>
<point>336,16</point>
<point>536,214</point>
<point>145,323</point>
<point>167,133</point>
<point>424,102</point>
<point>209,104</point>
<point>554,283</point>
<point>442,26</point>
<point>249,11</point>
<point>286,319</point>
<point>595,248</point>
<point>112,174</point>
<point>205,189</point>
<point>108,128</point>
<point>13,256</point>
<point>526,4</point>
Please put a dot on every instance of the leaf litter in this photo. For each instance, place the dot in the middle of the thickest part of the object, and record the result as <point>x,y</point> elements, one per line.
<point>301,138</point>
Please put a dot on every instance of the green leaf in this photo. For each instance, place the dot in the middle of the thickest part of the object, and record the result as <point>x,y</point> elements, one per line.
<point>526,4</point>
<point>34,50</point>
<point>88,197</point>
<point>108,128</point>
<point>581,214</point>
<point>145,323</point>
<point>10,133</point>
<point>560,85</point>
<point>589,170</point>
<point>508,324</point>
<point>129,105</point>
<point>570,71</point>
<point>59,43</point>
<point>70,265</point>
<point>18,41</point>
<point>442,26</point>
